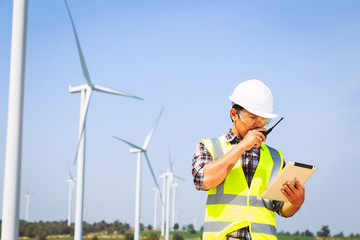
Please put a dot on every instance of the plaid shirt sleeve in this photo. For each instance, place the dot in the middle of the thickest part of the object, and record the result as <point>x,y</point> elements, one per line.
<point>201,157</point>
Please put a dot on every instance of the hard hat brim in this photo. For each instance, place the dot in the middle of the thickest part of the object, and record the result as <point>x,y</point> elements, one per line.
<point>255,111</point>
<point>262,114</point>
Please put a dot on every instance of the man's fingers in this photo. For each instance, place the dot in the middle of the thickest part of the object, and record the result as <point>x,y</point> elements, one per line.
<point>286,194</point>
<point>298,185</point>
<point>289,188</point>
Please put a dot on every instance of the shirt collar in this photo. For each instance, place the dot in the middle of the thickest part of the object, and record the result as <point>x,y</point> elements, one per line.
<point>231,137</point>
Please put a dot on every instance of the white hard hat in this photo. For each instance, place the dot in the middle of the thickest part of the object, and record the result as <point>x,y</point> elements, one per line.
<point>254,96</point>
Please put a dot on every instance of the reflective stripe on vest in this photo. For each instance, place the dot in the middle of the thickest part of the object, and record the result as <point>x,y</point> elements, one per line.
<point>256,227</point>
<point>255,211</point>
<point>233,199</point>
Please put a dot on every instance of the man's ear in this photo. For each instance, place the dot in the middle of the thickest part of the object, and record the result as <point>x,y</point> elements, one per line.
<point>233,113</point>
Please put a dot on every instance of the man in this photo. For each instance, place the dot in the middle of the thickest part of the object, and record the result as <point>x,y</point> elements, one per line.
<point>235,170</point>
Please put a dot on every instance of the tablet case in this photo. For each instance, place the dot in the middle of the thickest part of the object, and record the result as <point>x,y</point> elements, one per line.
<point>288,174</point>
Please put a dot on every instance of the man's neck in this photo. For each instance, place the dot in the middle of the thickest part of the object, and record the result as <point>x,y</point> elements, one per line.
<point>237,132</point>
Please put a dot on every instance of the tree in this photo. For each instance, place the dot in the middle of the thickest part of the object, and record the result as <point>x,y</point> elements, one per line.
<point>149,227</point>
<point>42,236</point>
<point>152,237</point>
<point>176,226</point>
<point>307,233</point>
<point>110,230</point>
<point>177,237</point>
<point>30,231</point>
<point>127,227</point>
<point>129,236</point>
<point>102,225</point>
<point>95,237</point>
<point>324,232</point>
<point>339,235</point>
<point>190,227</point>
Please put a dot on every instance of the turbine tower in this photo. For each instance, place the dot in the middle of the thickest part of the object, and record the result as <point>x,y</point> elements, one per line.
<point>174,188</point>
<point>85,91</point>
<point>167,179</point>
<point>156,193</point>
<point>71,182</point>
<point>13,155</point>
<point>139,150</point>
<point>163,176</point>
<point>28,198</point>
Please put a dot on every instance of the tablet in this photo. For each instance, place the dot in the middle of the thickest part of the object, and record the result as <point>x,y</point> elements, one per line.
<point>291,171</point>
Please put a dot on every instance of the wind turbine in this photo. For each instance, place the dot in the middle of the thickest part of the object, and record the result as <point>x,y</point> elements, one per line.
<point>71,182</point>
<point>139,150</point>
<point>85,91</point>
<point>174,187</point>
<point>28,198</point>
<point>168,178</point>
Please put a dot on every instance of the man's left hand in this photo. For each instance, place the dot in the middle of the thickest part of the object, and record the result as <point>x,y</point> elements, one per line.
<point>295,194</point>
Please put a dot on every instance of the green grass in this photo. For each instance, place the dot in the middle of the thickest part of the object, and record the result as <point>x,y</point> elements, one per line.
<point>288,237</point>
<point>189,236</point>
<point>185,234</point>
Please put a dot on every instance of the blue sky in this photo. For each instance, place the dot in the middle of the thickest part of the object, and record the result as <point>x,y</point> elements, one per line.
<point>187,56</point>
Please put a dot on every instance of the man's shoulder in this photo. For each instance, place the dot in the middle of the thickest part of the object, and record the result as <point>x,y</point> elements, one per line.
<point>272,148</point>
<point>222,137</point>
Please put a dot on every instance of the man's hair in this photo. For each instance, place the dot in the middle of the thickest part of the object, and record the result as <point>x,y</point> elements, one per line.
<point>238,108</point>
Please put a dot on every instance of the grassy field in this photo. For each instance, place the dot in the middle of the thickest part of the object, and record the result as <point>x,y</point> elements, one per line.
<point>105,236</point>
<point>286,237</point>
<point>185,234</point>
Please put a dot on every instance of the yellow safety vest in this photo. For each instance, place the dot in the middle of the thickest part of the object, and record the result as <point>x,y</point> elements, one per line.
<point>232,205</point>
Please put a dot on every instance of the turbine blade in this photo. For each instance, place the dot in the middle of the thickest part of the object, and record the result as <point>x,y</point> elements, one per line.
<point>152,172</point>
<point>71,177</point>
<point>129,143</point>
<point>82,59</point>
<point>179,178</point>
<point>113,91</point>
<point>85,108</point>
<point>148,137</point>
<point>171,162</point>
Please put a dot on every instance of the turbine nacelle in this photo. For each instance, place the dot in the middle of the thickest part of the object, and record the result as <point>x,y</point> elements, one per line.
<point>78,88</point>
<point>136,150</point>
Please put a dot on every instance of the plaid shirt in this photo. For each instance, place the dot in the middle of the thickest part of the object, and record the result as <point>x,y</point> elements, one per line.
<point>249,161</point>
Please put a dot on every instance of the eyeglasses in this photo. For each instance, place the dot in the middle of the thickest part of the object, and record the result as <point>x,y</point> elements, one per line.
<point>251,119</point>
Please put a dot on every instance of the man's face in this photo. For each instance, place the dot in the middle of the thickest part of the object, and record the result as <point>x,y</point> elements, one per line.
<point>252,121</point>
<point>245,121</point>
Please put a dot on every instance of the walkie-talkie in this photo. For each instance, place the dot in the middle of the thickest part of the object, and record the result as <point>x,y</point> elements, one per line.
<point>270,129</point>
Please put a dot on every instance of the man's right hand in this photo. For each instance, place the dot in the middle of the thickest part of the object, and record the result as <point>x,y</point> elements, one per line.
<point>253,138</point>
